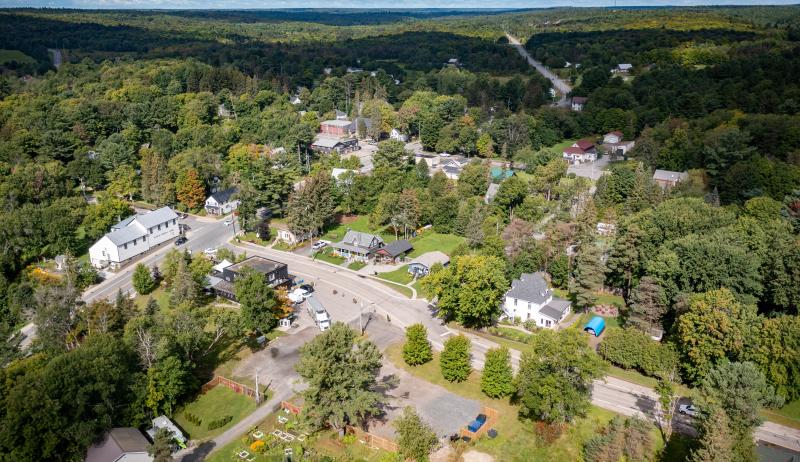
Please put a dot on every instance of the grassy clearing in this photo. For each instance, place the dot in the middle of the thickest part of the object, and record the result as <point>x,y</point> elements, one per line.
<point>405,291</point>
<point>251,237</point>
<point>558,147</point>
<point>430,241</point>
<point>400,275</point>
<point>280,245</point>
<point>7,56</point>
<point>516,440</point>
<point>788,415</point>
<point>218,403</point>
<point>160,295</point>
<point>421,293</point>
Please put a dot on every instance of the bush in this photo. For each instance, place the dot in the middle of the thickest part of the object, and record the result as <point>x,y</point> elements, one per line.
<point>530,325</point>
<point>634,349</point>
<point>417,349</point>
<point>549,432</point>
<point>454,360</point>
<point>214,424</point>
<point>193,419</point>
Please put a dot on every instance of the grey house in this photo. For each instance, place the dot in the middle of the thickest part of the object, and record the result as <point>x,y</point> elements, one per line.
<point>120,445</point>
<point>357,245</point>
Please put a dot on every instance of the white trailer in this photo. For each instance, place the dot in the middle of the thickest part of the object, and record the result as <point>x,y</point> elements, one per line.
<point>318,313</point>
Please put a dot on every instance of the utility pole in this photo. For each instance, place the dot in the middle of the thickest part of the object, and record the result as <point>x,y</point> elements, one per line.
<point>360,318</point>
<point>258,393</point>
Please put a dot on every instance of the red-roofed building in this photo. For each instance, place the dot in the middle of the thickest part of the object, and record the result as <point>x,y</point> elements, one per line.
<point>586,145</point>
<point>576,155</point>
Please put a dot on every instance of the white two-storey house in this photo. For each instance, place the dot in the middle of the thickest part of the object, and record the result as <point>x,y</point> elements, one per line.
<point>134,236</point>
<point>530,298</point>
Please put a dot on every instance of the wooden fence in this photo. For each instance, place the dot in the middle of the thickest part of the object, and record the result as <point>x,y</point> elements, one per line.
<point>371,440</point>
<point>291,407</point>
<point>491,420</point>
<point>230,384</point>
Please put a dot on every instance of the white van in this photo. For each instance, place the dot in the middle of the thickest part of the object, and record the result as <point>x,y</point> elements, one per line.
<point>318,313</point>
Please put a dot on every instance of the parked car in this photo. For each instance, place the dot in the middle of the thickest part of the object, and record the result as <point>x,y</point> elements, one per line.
<point>319,245</point>
<point>228,221</point>
<point>307,288</point>
<point>301,293</point>
<point>181,240</point>
<point>211,251</point>
<point>689,409</point>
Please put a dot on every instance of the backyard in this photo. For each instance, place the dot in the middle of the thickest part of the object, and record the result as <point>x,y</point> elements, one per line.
<point>218,404</point>
<point>281,431</point>
<point>430,241</point>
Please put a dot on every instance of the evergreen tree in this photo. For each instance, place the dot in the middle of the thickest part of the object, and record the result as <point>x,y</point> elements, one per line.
<point>415,437</point>
<point>161,449</point>
<point>647,305</point>
<point>311,206</point>
<point>716,441</point>
<point>417,349</point>
<point>184,287</point>
<point>589,275</point>
<point>341,378</point>
<point>142,280</point>
<point>497,379</point>
<point>455,359</point>
<point>259,304</point>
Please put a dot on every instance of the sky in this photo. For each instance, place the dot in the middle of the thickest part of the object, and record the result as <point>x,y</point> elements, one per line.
<point>271,4</point>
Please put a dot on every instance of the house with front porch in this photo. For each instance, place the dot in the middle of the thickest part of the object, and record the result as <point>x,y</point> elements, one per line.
<point>393,251</point>
<point>530,298</point>
<point>357,245</point>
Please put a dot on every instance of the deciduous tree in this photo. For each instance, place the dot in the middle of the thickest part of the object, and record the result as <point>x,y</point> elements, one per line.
<point>455,359</point>
<point>142,279</point>
<point>497,379</point>
<point>190,190</point>
<point>417,349</point>
<point>416,437</point>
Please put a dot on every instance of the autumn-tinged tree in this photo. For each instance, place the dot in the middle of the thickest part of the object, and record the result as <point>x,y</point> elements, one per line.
<point>190,190</point>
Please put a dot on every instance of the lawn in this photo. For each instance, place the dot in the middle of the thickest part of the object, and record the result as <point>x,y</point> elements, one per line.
<point>251,237</point>
<point>559,147</point>
<point>788,415</point>
<point>400,275</point>
<point>516,440</point>
<point>421,293</point>
<point>7,56</point>
<point>217,403</point>
<point>326,255</point>
<point>336,232</point>
<point>430,241</point>
<point>159,295</point>
<point>402,289</point>
<point>356,265</point>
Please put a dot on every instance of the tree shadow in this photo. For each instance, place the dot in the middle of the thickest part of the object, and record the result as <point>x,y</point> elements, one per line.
<point>199,453</point>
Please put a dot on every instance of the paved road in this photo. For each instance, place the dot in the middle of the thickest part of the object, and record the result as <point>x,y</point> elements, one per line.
<point>613,394</point>
<point>558,83</point>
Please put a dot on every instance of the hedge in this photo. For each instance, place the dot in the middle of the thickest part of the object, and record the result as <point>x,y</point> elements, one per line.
<point>634,349</point>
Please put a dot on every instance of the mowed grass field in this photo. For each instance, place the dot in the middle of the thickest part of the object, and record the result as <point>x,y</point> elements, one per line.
<point>217,403</point>
<point>7,56</point>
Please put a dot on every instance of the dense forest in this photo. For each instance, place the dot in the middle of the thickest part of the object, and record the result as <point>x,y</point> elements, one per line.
<point>163,108</point>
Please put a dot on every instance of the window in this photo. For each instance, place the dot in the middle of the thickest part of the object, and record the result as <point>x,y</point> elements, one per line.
<point>548,323</point>
<point>159,227</point>
<point>150,230</point>
<point>271,277</point>
<point>125,246</point>
<point>515,302</point>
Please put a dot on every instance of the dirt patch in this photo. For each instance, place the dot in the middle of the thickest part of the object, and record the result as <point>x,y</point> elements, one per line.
<point>346,219</point>
<point>475,456</point>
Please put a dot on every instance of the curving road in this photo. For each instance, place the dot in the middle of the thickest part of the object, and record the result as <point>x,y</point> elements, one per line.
<point>557,82</point>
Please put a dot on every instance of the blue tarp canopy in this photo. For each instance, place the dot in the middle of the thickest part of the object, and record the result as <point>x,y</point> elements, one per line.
<point>596,326</point>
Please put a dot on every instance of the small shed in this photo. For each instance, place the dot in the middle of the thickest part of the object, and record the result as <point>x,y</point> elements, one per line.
<point>595,326</point>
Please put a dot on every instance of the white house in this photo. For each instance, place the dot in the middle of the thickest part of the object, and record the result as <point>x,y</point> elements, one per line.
<point>614,144</point>
<point>222,202</point>
<point>134,236</point>
<point>530,298</point>
<point>284,234</point>
<point>578,102</point>
<point>622,68</point>
<point>395,134</point>
<point>612,137</point>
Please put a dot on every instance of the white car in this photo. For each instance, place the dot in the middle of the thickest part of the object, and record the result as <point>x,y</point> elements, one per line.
<point>211,251</point>
<point>228,221</point>
<point>298,295</point>
<point>688,409</point>
<point>319,245</point>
